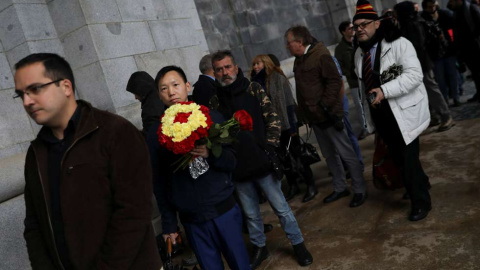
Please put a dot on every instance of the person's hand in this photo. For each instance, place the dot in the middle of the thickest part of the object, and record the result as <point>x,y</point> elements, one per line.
<point>172,236</point>
<point>200,150</point>
<point>379,97</point>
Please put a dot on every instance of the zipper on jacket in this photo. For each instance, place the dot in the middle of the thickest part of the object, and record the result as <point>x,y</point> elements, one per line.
<point>73,143</point>
<point>386,52</point>
<point>48,212</point>
<point>44,194</point>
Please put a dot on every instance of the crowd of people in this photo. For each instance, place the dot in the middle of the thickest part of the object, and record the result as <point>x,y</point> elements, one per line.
<point>90,174</point>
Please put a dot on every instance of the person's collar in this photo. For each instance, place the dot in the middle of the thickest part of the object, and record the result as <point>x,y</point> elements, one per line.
<point>306,49</point>
<point>46,133</point>
<point>211,77</point>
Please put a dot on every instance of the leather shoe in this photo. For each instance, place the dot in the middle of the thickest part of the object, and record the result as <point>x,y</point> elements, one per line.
<point>259,254</point>
<point>419,213</point>
<point>336,195</point>
<point>294,190</point>
<point>358,199</point>
<point>446,125</point>
<point>304,257</point>
<point>267,227</point>
<point>311,192</point>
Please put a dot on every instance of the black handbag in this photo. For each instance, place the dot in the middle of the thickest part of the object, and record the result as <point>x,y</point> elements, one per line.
<point>308,153</point>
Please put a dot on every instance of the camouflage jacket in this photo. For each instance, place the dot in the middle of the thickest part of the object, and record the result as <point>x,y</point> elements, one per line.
<point>228,96</point>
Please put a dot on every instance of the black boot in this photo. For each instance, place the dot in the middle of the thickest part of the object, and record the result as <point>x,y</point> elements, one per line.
<point>304,257</point>
<point>311,192</point>
<point>259,254</point>
<point>294,190</point>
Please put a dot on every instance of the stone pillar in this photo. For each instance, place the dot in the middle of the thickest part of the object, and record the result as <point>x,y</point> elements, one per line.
<point>104,41</point>
<point>25,27</point>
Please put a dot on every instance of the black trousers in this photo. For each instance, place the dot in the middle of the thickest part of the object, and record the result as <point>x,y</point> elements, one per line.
<point>406,157</point>
<point>298,169</point>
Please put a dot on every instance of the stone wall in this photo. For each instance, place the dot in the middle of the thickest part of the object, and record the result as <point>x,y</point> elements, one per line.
<point>104,41</point>
<point>251,27</point>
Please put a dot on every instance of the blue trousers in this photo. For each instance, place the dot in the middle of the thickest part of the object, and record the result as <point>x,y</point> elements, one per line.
<point>247,193</point>
<point>219,236</point>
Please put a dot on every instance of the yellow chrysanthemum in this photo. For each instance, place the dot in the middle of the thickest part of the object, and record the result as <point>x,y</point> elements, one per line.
<point>180,131</point>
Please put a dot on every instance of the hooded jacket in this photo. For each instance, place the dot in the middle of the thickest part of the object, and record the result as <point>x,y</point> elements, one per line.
<point>143,85</point>
<point>106,192</point>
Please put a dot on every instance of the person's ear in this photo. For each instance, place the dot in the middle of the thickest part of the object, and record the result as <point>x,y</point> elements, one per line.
<point>188,86</point>
<point>67,87</point>
<point>377,24</point>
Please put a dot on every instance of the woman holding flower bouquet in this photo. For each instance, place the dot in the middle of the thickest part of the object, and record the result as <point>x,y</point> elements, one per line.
<point>202,195</point>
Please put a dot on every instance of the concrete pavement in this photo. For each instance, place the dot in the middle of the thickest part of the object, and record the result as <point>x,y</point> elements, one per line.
<point>378,235</point>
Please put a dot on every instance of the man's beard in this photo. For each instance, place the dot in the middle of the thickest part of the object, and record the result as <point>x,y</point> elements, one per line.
<point>222,80</point>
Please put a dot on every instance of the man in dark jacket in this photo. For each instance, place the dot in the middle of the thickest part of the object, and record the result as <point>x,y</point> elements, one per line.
<point>141,84</point>
<point>254,150</point>
<point>205,87</point>
<point>440,47</point>
<point>344,56</point>
<point>206,205</point>
<point>467,37</point>
<point>320,98</point>
<point>88,180</point>
<point>412,27</point>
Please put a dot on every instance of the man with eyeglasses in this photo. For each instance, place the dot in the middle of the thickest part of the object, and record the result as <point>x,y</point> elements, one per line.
<point>320,99</point>
<point>390,75</point>
<point>88,178</point>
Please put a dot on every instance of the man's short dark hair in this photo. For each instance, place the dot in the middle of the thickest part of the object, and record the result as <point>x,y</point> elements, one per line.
<point>167,69</point>
<point>301,33</point>
<point>425,2</point>
<point>205,63</point>
<point>220,55</point>
<point>343,26</point>
<point>56,67</point>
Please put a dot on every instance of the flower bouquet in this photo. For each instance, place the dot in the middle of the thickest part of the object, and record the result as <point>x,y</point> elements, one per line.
<point>187,124</point>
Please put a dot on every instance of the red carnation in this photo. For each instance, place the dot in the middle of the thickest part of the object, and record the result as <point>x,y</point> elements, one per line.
<point>244,120</point>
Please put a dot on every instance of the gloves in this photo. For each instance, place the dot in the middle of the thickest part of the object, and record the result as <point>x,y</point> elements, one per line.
<point>338,124</point>
<point>277,168</point>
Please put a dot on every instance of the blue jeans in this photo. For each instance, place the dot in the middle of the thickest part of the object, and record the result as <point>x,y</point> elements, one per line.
<point>445,70</point>
<point>351,135</point>
<point>249,200</point>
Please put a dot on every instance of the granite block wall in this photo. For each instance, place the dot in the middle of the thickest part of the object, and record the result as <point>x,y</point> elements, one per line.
<point>104,41</point>
<point>249,27</point>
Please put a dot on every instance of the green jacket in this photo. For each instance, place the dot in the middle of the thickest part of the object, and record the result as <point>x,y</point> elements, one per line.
<point>344,55</point>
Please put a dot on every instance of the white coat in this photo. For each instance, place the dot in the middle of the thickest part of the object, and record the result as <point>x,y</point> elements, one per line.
<point>406,94</point>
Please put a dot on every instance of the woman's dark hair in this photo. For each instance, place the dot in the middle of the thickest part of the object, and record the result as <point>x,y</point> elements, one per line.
<point>167,69</point>
<point>56,67</point>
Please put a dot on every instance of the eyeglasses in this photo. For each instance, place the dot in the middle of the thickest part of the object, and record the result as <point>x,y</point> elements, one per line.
<point>33,90</point>
<point>361,26</point>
